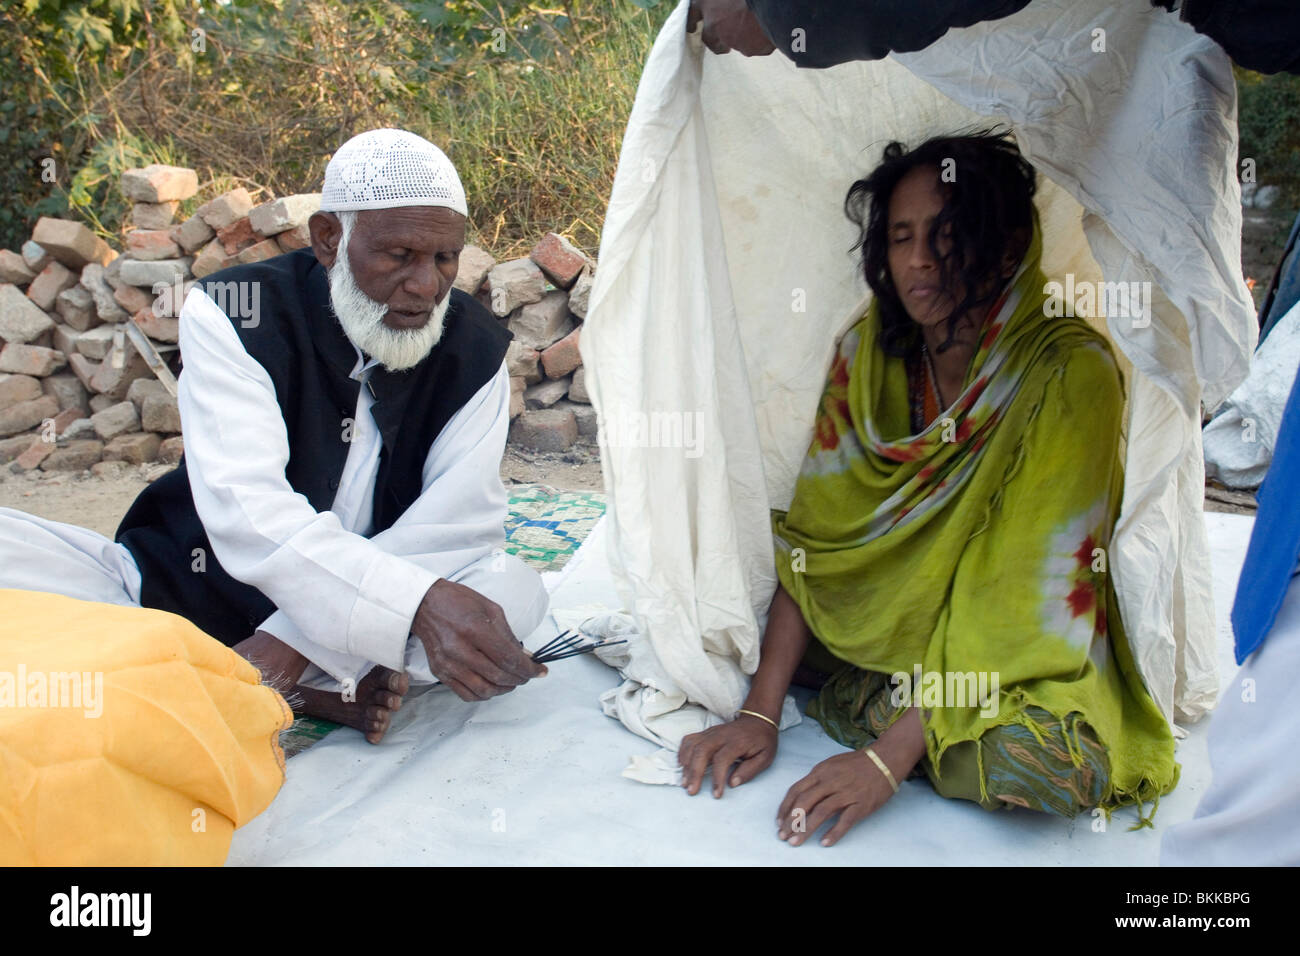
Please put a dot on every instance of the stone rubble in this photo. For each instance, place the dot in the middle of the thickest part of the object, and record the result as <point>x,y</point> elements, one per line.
<point>75,395</point>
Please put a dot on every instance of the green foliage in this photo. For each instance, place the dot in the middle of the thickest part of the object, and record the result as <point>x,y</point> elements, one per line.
<point>1269,127</point>
<point>529,99</point>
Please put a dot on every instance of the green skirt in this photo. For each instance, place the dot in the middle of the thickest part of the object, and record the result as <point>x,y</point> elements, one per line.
<point>1025,765</point>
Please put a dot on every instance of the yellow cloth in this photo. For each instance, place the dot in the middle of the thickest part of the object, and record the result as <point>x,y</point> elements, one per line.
<point>179,749</point>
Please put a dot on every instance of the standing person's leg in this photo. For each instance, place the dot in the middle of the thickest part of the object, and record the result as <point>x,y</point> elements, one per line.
<point>1250,816</point>
<point>41,555</point>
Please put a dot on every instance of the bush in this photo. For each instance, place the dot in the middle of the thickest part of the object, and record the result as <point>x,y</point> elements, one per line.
<point>529,101</point>
<point>1268,122</point>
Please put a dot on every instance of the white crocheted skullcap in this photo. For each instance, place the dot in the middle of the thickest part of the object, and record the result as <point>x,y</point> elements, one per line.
<point>385,168</point>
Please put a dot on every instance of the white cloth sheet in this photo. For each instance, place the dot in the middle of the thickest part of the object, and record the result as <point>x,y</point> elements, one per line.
<point>532,777</point>
<point>1239,441</point>
<point>725,278</point>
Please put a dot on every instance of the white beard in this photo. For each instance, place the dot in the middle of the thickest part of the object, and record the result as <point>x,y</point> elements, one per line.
<point>362,319</point>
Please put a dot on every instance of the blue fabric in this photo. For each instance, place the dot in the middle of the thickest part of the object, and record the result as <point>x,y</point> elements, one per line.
<point>1275,541</point>
<point>1287,292</point>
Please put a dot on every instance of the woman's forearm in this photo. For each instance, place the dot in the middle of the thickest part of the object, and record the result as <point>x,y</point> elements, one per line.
<point>784,643</point>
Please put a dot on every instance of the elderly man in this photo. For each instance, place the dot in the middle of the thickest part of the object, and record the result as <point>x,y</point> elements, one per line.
<point>338,516</point>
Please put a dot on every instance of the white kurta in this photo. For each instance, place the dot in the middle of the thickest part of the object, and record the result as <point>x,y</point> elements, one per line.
<point>343,599</point>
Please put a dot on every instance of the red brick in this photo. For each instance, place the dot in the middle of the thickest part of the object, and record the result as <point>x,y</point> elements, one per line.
<point>70,242</point>
<point>30,360</point>
<point>160,413</point>
<point>266,249</point>
<point>83,368</point>
<point>227,208</point>
<point>559,259</point>
<point>153,215</point>
<point>114,382</point>
<point>212,259</point>
<point>158,183</point>
<point>36,453</point>
<point>69,392</point>
<point>119,419</point>
<point>64,419</point>
<point>171,449</point>
<point>11,448</point>
<point>562,357</point>
<point>77,455</point>
<point>18,388</point>
<point>45,288</point>
<point>578,387</point>
<point>14,269</point>
<point>161,328</point>
<point>132,299</point>
<point>545,429</point>
<point>299,237</point>
<point>521,362</point>
<point>151,245</point>
<point>137,448</point>
<point>24,415</point>
<point>192,234</point>
<point>238,235</point>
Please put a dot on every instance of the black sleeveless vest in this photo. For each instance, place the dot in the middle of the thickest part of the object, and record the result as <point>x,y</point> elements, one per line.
<point>300,343</point>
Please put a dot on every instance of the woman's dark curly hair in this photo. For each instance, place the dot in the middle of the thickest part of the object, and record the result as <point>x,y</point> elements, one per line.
<point>988,207</point>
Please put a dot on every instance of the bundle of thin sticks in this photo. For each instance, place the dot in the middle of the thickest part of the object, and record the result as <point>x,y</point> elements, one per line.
<point>569,644</point>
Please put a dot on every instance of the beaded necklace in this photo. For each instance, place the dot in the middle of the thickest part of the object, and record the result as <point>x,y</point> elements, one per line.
<point>923,390</point>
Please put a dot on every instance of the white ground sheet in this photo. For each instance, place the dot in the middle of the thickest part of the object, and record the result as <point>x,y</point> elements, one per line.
<point>534,778</point>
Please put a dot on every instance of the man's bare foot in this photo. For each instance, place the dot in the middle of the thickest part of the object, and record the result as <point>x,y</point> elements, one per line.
<point>280,664</point>
<point>378,695</point>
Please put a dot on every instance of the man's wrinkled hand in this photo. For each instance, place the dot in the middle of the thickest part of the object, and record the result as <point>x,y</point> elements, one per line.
<point>469,643</point>
<point>728,25</point>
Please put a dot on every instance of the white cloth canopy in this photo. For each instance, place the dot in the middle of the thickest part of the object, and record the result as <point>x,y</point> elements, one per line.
<point>725,277</point>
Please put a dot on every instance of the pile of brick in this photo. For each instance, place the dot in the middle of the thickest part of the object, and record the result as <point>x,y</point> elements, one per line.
<point>542,298</point>
<point>87,368</point>
<point>79,384</point>
<point>68,373</point>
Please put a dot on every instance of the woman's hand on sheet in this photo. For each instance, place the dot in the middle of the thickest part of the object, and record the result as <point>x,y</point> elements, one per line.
<point>850,784</point>
<point>746,740</point>
<point>469,643</point>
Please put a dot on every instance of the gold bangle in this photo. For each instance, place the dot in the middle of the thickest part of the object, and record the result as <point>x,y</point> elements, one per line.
<point>760,717</point>
<point>875,758</point>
